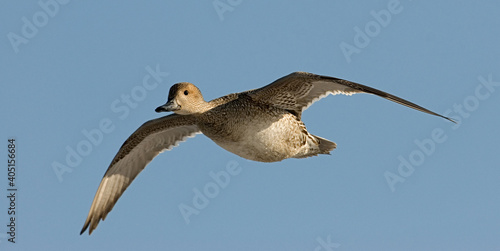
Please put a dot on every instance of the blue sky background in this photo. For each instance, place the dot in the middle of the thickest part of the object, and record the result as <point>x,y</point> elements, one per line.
<point>85,56</point>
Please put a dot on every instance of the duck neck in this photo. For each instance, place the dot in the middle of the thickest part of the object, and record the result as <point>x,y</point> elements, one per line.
<point>204,106</point>
<point>200,107</point>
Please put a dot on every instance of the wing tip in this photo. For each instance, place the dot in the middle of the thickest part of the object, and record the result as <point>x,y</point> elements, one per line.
<point>449,119</point>
<point>84,228</point>
<point>91,226</point>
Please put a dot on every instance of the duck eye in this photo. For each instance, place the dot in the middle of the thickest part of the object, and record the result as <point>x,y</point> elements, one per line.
<point>186,92</point>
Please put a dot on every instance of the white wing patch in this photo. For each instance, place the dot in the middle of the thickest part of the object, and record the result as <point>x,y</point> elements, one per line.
<point>324,96</point>
<point>321,89</point>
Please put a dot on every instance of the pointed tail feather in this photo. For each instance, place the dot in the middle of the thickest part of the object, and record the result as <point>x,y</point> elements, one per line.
<point>325,146</point>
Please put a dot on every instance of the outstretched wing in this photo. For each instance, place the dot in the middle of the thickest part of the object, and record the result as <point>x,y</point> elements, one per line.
<point>152,138</point>
<point>299,90</point>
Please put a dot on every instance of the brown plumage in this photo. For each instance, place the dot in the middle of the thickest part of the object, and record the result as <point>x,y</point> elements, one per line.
<point>262,124</point>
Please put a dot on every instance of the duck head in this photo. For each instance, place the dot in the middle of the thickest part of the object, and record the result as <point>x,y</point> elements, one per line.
<point>183,98</point>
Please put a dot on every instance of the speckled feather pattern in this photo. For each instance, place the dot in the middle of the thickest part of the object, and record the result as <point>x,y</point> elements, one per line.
<point>255,131</point>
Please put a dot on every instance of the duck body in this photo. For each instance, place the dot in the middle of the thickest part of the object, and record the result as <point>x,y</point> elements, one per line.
<point>258,131</point>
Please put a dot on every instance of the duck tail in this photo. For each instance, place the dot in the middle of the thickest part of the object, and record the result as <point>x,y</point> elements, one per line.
<point>325,146</point>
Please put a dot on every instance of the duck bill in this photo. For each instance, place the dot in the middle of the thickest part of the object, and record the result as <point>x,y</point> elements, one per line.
<point>170,106</point>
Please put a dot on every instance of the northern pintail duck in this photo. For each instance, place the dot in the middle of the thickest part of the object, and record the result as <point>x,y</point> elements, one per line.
<point>262,124</point>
